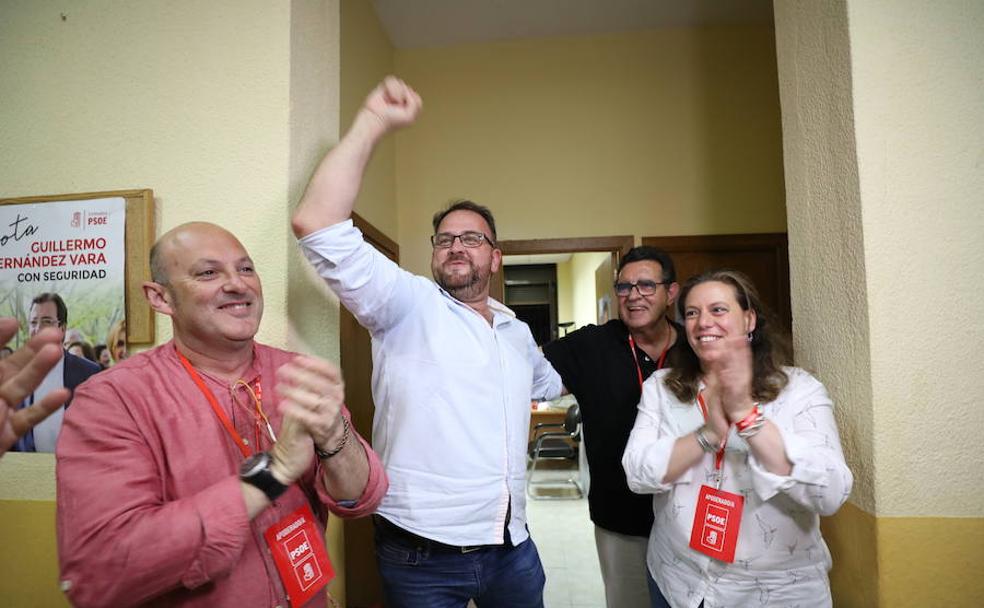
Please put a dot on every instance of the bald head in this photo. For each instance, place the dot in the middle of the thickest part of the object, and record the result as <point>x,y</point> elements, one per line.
<point>185,236</point>
<point>204,279</point>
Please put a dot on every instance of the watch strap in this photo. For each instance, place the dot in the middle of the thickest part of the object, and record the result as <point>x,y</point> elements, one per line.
<point>264,480</point>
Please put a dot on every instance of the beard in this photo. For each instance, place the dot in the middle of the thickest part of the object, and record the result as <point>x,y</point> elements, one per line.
<point>462,286</point>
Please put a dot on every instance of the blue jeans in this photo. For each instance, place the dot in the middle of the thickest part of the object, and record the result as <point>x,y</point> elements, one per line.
<point>656,599</point>
<point>419,576</point>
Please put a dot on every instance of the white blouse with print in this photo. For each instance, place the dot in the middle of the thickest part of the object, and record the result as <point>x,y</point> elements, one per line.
<point>781,559</point>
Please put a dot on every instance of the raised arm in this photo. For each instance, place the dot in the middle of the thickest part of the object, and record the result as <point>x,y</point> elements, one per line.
<point>331,193</point>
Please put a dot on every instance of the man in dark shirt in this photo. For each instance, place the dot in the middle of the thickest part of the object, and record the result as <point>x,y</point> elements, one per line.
<point>604,367</point>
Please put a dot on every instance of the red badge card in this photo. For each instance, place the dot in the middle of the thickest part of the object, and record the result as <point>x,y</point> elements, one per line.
<point>300,555</point>
<point>716,523</point>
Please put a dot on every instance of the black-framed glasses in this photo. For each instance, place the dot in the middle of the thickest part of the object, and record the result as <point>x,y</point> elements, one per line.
<point>444,240</point>
<point>645,288</point>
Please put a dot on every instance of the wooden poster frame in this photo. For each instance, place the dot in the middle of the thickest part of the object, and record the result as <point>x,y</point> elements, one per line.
<point>139,237</point>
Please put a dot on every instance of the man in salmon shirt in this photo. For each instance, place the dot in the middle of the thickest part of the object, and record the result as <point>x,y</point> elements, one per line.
<point>200,473</point>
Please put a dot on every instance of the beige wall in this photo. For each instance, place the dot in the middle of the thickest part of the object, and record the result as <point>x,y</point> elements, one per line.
<point>312,310</point>
<point>882,123</point>
<point>187,98</point>
<point>919,120</point>
<point>655,133</point>
<point>900,225</point>
<point>823,206</point>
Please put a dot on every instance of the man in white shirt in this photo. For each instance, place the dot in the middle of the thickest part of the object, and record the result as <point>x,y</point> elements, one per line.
<point>453,375</point>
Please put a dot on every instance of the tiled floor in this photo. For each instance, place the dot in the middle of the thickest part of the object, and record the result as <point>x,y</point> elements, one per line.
<point>564,536</point>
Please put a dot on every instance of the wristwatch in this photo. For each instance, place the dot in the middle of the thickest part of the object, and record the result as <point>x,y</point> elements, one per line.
<point>255,471</point>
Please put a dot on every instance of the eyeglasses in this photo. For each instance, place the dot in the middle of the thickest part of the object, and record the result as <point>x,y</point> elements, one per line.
<point>44,322</point>
<point>444,240</point>
<point>645,288</point>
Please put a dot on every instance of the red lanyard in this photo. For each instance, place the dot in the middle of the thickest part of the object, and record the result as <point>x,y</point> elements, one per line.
<point>662,356</point>
<point>719,456</point>
<point>219,412</point>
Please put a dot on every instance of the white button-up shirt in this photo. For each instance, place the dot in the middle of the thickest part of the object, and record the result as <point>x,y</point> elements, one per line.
<point>452,394</point>
<point>781,559</point>
<point>46,431</point>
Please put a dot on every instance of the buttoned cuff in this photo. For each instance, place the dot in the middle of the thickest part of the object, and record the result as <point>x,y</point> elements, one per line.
<point>768,484</point>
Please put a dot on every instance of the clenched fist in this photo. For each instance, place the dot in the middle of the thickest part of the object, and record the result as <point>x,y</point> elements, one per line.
<point>393,103</point>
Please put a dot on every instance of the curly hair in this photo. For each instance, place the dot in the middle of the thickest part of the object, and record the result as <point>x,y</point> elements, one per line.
<point>770,346</point>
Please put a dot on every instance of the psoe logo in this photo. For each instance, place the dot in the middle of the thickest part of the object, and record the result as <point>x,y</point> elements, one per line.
<point>99,218</point>
<point>76,219</point>
<point>297,547</point>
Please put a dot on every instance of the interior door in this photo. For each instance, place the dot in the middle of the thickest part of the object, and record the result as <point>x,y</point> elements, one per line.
<point>763,257</point>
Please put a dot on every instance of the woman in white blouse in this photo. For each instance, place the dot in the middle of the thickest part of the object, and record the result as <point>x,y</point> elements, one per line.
<point>742,456</point>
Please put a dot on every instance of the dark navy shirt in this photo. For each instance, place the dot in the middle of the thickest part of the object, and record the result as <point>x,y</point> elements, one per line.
<point>598,369</point>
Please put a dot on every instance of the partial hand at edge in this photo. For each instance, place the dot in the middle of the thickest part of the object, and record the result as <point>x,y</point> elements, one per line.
<point>20,375</point>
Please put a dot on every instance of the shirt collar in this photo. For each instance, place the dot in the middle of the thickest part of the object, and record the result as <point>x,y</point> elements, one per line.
<point>499,310</point>
<point>249,375</point>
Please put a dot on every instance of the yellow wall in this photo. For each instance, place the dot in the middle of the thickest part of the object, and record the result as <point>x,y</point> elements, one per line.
<point>27,519</point>
<point>585,299</point>
<point>30,578</point>
<point>663,132</point>
<point>565,294</point>
<point>366,57</point>
<point>919,120</point>
<point>187,98</point>
<point>882,137</point>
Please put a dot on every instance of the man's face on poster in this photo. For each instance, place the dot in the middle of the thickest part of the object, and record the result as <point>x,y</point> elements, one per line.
<point>43,315</point>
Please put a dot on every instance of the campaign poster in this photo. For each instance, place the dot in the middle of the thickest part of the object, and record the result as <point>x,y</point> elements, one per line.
<point>74,249</point>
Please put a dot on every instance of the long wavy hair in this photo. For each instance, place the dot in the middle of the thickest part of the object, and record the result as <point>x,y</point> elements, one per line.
<point>770,346</point>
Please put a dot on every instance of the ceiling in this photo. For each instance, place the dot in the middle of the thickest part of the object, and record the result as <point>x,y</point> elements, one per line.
<point>435,23</point>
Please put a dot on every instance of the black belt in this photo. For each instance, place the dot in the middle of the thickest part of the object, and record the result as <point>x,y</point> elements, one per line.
<point>388,528</point>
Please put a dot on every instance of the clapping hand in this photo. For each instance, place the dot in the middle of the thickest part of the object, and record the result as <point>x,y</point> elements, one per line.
<point>732,379</point>
<point>312,393</point>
